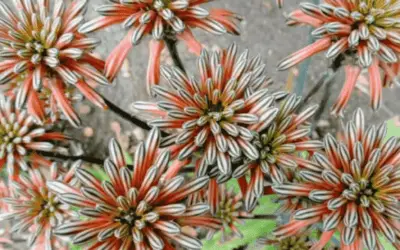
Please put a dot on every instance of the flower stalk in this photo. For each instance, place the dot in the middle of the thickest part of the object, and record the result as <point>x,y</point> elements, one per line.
<point>173,51</point>
<point>58,156</point>
<point>260,217</point>
<point>128,117</point>
<point>326,79</point>
<point>125,115</point>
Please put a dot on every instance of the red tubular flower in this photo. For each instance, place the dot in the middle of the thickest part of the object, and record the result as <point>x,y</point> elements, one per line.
<point>41,48</point>
<point>214,116</point>
<point>160,18</point>
<point>45,108</point>
<point>139,209</point>
<point>364,31</point>
<point>36,209</point>
<point>355,186</point>
<point>283,136</point>
<point>21,138</point>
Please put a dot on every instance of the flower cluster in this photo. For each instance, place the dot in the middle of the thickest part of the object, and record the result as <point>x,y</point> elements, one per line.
<point>162,19</point>
<point>354,184</point>
<point>46,108</point>
<point>37,209</point>
<point>213,116</point>
<point>139,208</point>
<point>227,206</point>
<point>41,51</point>
<point>365,31</point>
<point>22,139</point>
<point>284,135</point>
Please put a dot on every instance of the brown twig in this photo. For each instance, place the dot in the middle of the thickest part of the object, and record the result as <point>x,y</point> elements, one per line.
<point>259,217</point>
<point>328,77</point>
<point>59,156</point>
<point>128,117</point>
<point>125,115</point>
<point>173,51</point>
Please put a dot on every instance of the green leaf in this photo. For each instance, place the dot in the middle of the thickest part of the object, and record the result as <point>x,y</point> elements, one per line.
<point>128,158</point>
<point>73,247</point>
<point>386,244</point>
<point>393,129</point>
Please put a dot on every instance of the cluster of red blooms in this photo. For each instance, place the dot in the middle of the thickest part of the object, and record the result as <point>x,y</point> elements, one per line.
<point>225,123</point>
<point>365,32</point>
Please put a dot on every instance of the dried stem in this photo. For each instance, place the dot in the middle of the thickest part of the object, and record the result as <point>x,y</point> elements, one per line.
<point>324,101</point>
<point>187,170</point>
<point>128,117</point>
<point>125,115</point>
<point>322,106</point>
<point>241,247</point>
<point>326,78</point>
<point>325,81</point>
<point>173,51</point>
<point>260,217</point>
<point>59,156</point>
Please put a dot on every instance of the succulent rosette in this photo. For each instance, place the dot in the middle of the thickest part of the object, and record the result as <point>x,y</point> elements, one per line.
<point>212,118</point>
<point>280,143</point>
<point>23,139</point>
<point>162,19</point>
<point>48,112</point>
<point>141,208</point>
<point>354,184</point>
<point>365,32</point>
<point>35,209</point>
<point>41,48</point>
<point>226,206</point>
